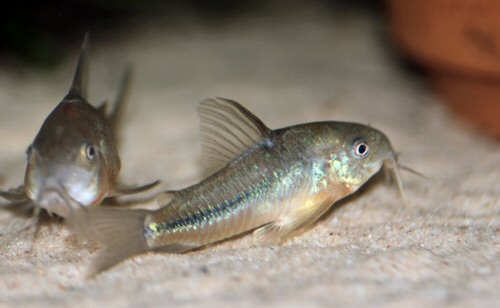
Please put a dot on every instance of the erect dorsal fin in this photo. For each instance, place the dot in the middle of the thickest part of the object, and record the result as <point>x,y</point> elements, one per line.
<point>80,81</point>
<point>103,108</point>
<point>115,118</point>
<point>227,130</point>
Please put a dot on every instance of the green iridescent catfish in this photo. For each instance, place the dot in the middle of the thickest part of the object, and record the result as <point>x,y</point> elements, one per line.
<point>272,181</point>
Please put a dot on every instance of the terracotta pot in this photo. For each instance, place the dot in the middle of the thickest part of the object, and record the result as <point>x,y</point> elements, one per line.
<point>458,41</point>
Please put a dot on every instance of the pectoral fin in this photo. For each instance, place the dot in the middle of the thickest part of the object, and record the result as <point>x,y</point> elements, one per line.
<point>25,215</point>
<point>10,232</point>
<point>121,190</point>
<point>14,194</point>
<point>279,230</point>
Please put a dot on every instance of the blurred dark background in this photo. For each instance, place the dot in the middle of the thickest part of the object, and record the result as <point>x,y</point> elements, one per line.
<point>38,33</point>
<point>459,53</point>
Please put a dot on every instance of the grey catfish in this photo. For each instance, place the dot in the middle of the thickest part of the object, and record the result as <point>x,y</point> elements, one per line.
<point>74,155</point>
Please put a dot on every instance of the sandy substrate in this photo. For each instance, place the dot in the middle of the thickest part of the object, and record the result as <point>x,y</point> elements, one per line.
<point>372,250</point>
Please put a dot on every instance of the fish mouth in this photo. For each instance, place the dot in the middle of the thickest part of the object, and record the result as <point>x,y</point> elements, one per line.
<point>57,201</point>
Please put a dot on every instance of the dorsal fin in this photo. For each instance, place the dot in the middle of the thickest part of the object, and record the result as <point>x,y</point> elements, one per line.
<point>116,116</point>
<point>227,130</point>
<point>80,81</point>
<point>103,108</point>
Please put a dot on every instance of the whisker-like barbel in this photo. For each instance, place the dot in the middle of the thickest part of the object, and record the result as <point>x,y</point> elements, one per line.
<point>413,171</point>
<point>392,164</point>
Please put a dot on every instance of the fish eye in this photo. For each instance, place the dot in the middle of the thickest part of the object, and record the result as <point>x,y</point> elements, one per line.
<point>90,151</point>
<point>360,148</point>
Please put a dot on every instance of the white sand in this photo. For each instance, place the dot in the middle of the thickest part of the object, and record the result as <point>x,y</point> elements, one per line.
<point>443,249</point>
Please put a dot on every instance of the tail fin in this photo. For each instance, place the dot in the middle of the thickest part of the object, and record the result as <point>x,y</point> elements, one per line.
<point>119,232</point>
<point>80,81</point>
<point>115,119</point>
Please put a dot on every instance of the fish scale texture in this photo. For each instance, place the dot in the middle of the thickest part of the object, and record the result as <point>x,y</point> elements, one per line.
<point>315,64</point>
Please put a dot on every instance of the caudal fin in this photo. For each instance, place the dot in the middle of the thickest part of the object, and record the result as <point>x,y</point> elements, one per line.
<point>120,233</point>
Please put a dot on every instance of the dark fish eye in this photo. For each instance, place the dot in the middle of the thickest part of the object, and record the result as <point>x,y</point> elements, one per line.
<point>360,148</point>
<point>90,151</point>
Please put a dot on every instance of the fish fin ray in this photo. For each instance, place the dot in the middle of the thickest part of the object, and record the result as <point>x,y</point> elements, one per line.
<point>120,233</point>
<point>280,230</point>
<point>227,130</point>
<point>121,190</point>
<point>10,232</point>
<point>21,220</point>
<point>14,194</point>
<point>80,80</point>
<point>115,118</point>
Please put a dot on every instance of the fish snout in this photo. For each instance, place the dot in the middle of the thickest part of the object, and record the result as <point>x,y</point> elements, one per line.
<point>53,202</point>
<point>55,187</point>
<point>56,200</point>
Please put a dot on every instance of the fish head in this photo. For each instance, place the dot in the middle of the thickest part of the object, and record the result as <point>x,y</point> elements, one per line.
<point>355,152</point>
<point>72,157</point>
